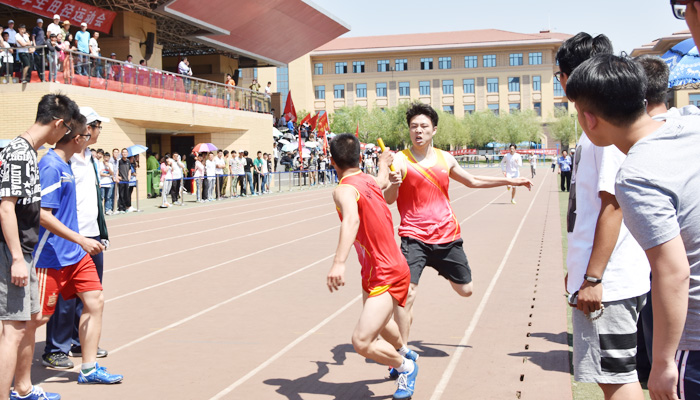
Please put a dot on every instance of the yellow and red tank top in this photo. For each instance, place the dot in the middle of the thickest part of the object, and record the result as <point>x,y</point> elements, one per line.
<point>424,202</point>
<point>382,261</point>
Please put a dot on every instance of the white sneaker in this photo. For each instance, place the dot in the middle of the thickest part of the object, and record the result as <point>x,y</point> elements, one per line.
<point>131,209</point>
<point>109,212</point>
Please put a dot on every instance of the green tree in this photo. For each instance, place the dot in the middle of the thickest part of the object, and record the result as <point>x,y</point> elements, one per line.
<point>564,127</point>
<point>520,126</point>
<point>484,127</point>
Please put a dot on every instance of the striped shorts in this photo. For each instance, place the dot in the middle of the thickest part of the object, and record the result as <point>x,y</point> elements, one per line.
<point>605,349</point>
<point>688,363</point>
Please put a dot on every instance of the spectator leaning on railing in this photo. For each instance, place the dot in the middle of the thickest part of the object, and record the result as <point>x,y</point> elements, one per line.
<point>55,26</point>
<point>83,39</point>
<point>23,50</point>
<point>38,40</point>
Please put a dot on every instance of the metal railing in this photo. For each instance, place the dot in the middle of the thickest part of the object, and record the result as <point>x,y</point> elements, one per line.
<point>80,69</point>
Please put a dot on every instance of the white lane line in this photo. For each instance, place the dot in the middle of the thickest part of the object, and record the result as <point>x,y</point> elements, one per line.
<point>284,350</point>
<point>199,232</point>
<point>449,371</point>
<point>217,265</point>
<point>189,249</point>
<point>211,208</point>
<point>212,308</point>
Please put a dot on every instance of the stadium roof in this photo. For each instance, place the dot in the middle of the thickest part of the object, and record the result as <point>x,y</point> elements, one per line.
<point>257,32</point>
<point>419,41</point>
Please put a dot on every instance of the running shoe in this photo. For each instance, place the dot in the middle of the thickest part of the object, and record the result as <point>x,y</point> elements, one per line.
<point>37,393</point>
<point>58,360</point>
<point>508,187</point>
<point>512,201</point>
<point>77,351</point>
<point>411,355</point>
<point>406,384</point>
<point>99,375</point>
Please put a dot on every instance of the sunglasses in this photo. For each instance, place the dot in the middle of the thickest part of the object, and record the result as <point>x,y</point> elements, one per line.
<point>678,7</point>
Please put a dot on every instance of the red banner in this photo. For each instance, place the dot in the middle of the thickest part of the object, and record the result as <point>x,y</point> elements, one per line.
<point>97,19</point>
<point>463,152</point>
<point>546,152</point>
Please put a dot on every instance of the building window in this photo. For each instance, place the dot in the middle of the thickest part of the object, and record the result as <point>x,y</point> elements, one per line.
<point>404,89</point>
<point>318,69</point>
<point>358,67</point>
<point>469,108</point>
<point>514,84</point>
<point>382,65</point>
<point>361,90</point>
<point>470,62</point>
<point>489,60</point>
<point>320,92</point>
<point>381,89</point>
<point>424,88</point>
<point>538,108</point>
<point>339,91</point>
<point>401,64</point>
<point>558,90</point>
<point>492,85</point>
<point>341,68</point>
<point>563,106</point>
<point>516,59</point>
<point>536,83</point>
<point>426,63</point>
<point>448,109</point>
<point>494,108</point>
<point>535,58</point>
<point>448,86</point>
<point>468,85</point>
<point>694,99</point>
<point>445,63</point>
<point>283,83</point>
<point>514,107</point>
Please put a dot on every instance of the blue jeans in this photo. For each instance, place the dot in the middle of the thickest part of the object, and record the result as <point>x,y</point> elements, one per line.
<point>62,328</point>
<point>249,178</point>
<point>108,197</point>
<point>263,182</point>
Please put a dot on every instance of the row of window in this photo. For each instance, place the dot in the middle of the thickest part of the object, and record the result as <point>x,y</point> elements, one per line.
<point>426,63</point>
<point>447,88</point>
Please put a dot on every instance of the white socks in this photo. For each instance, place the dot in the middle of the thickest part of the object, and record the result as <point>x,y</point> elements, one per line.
<point>406,366</point>
<point>403,350</point>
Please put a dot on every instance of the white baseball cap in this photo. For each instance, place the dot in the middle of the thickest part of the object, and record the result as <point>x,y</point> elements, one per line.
<point>83,24</point>
<point>56,16</point>
<point>91,115</point>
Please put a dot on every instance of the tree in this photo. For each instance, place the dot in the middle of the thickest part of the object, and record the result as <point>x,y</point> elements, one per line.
<point>520,126</point>
<point>562,128</point>
<point>484,127</point>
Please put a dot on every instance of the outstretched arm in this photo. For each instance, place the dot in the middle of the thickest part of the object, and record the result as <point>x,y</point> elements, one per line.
<point>346,201</point>
<point>480,182</point>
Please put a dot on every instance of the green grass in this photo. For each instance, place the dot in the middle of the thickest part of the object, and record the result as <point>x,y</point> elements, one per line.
<point>580,390</point>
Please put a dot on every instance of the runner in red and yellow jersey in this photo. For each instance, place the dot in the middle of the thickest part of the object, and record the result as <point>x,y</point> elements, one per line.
<point>366,223</point>
<point>429,230</point>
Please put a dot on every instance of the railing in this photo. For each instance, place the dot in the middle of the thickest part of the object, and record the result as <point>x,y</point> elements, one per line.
<point>80,69</point>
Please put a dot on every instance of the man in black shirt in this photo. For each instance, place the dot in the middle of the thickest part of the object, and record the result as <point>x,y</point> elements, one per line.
<point>20,204</point>
<point>124,168</point>
<point>248,169</point>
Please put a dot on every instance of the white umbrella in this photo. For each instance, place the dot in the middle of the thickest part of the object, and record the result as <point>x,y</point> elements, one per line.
<point>369,146</point>
<point>312,145</point>
<point>290,147</point>
<point>306,152</point>
<point>275,132</point>
<point>283,141</point>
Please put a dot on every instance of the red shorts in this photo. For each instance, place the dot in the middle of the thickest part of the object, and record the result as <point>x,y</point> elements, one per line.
<point>398,290</point>
<point>67,281</point>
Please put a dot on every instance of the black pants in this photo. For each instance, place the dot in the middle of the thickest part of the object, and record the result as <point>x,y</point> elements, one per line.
<point>124,197</point>
<point>565,180</point>
<point>220,180</point>
<point>205,188</point>
<point>175,191</point>
<point>39,65</point>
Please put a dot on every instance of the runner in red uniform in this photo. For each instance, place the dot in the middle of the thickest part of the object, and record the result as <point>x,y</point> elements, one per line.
<point>429,230</point>
<point>366,223</point>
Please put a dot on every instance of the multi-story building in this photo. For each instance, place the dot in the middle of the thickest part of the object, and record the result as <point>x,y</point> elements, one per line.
<point>458,72</point>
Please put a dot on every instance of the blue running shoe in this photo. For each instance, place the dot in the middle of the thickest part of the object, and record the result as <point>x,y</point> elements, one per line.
<point>412,355</point>
<point>37,393</point>
<point>99,375</point>
<point>406,384</point>
<point>393,374</point>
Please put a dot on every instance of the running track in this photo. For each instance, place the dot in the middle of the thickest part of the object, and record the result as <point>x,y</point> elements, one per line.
<point>228,300</point>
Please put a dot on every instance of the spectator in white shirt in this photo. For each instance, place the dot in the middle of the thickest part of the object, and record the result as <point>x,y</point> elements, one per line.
<point>199,177</point>
<point>55,26</point>
<point>178,168</point>
<point>210,168</point>
<point>220,163</point>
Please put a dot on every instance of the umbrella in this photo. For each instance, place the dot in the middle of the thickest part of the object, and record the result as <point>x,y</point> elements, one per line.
<point>310,144</point>
<point>370,146</point>
<point>283,141</point>
<point>677,52</point>
<point>283,129</point>
<point>204,147</point>
<point>495,144</point>
<point>290,147</point>
<point>276,133</point>
<point>306,152</point>
<point>686,71</point>
<point>136,149</point>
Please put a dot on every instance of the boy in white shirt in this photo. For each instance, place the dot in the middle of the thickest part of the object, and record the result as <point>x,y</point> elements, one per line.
<point>510,166</point>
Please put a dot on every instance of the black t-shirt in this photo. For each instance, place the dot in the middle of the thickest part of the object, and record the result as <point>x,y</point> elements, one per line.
<point>124,168</point>
<point>248,164</point>
<point>19,177</point>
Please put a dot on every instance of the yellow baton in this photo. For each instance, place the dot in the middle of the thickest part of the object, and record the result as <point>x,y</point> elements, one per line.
<point>383,148</point>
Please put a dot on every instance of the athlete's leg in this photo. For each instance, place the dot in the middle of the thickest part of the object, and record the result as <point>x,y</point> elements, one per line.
<point>512,194</point>
<point>10,340</point>
<point>463,289</point>
<point>404,315</point>
<point>391,332</point>
<point>627,391</point>
<point>91,324</point>
<point>25,354</point>
<point>376,313</point>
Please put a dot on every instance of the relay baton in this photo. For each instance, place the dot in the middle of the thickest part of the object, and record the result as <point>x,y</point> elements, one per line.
<point>383,148</point>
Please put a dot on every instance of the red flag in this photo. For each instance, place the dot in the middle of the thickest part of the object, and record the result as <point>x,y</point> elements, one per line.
<point>325,144</point>
<point>323,124</point>
<point>301,152</point>
<point>305,119</point>
<point>313,122</point>
<point>357,131</point>
<point>290,113</point>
